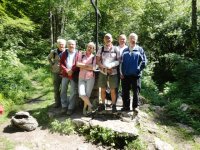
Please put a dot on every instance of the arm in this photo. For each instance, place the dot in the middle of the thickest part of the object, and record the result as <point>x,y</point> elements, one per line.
<point>91,66</point>
<point>120,68</point>
<point>50,57</point>
<point>115,63</point>
<point>63,63</point>
<point>144,60</point>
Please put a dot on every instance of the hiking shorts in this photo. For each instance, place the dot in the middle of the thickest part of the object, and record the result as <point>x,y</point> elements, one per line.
<point>110,80</point>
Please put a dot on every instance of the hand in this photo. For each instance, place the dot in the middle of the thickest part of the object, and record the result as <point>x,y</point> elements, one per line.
<point>109,71</point>
<point>70,72</point>
<point>122,76</point>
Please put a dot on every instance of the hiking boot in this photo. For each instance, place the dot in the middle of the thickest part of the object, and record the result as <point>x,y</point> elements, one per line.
<point>125,109</point>
<point>114,109</point>
<point>63,111</point>
<point>69,112</point>
<point>56,105</point>
<point>101,107</point>
<point>136,109</point>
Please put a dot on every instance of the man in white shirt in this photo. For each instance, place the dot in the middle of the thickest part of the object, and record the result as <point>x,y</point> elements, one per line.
<point>108,58</point>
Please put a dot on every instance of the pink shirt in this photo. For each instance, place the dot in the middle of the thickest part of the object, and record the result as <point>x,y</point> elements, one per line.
<point>88,60</point>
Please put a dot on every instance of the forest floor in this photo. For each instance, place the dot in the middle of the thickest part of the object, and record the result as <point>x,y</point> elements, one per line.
<point>154,130</point>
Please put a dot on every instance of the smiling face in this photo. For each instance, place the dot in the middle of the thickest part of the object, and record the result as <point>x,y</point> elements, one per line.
<point>71,45</point>
<point>61,46</point>
<point>122,40</point>
<point>133,39</point>
<point>108,39</point>
<point>90,48</point>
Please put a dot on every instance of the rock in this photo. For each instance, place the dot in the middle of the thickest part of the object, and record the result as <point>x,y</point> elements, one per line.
<point>24,120</point>
<point>161,145</point>
<point>184,107</point>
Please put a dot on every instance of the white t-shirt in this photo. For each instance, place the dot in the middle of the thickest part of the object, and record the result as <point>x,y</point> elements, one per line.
<point>70,59</point>
<point>121,49</point>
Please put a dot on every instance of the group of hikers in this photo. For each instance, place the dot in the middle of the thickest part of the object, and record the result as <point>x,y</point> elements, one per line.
<point>75,69</point>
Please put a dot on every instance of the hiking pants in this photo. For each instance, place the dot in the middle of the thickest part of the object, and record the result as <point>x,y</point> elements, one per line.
<point>57,85</point>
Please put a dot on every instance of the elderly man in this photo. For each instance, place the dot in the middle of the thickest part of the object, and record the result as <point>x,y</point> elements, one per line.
<point>54,61</point>
<point>133,62</point>
<point>108,58</point>
<point>69,76</point>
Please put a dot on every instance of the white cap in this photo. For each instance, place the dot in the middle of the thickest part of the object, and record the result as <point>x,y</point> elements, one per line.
<point>108,35</point>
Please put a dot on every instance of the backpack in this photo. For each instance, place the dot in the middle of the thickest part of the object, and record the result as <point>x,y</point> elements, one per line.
<point>102,50</point>
<point>55,52</point>
<point>92,58</point>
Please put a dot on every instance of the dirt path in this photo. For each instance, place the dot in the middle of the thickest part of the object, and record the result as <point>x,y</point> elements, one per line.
<point>40,139</point>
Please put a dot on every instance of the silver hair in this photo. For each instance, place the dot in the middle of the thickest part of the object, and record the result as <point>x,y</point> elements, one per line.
<point>92,44</point>
<point>134,35</point>
<point>71,42</point>
<point>61,41</point>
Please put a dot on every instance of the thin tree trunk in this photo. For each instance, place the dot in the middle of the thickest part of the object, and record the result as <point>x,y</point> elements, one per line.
<point>194,26</point>
<point>51,29</point>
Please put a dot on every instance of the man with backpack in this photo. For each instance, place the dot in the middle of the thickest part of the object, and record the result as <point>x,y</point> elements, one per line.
<point>54,61</point>
<point>70,74</point>
<point>133,61</point>
<point>108,58</point>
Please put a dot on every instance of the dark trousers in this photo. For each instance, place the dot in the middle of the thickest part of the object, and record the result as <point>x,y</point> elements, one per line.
<point>57,85</point>
<point>130,83</point>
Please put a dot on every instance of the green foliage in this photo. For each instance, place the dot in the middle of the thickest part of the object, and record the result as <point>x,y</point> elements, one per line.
<point>105,136</point>
<point>41,114</point>
<point>14,79</point>
<point>136,145</point>
<point>149,88</point>
<point>184,89</point>
<point>66,127</point>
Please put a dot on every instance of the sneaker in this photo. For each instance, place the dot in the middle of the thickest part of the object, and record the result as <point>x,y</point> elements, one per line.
<point>69,112</point>
<point>89,112</point>
<point>125,109</point>
<point>114,109</point>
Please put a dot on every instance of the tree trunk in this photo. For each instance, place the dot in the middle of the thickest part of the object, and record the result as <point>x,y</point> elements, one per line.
<point>51,28</point>
<point>194,27</point>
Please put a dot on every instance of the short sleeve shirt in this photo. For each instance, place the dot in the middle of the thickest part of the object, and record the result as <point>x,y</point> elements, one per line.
<point>109,55</point>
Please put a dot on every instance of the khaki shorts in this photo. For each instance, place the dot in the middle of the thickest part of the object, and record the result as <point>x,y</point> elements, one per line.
<point>112,80</point>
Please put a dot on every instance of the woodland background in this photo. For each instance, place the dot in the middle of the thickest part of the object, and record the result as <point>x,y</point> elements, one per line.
<point>168,31</point>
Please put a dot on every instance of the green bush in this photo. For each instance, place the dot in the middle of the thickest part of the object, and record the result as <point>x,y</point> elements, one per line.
<point>136,145</point>
<point>66,127</point>
<point>14,83</point>
<point>149,89</point>
<point>105,136</point>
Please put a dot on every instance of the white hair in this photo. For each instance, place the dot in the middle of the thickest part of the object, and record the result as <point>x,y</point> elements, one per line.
<point>123,36</point>
<point>134,35</point>
<point>91,44</point>
<point>61,41</point>
<point>71,42</point>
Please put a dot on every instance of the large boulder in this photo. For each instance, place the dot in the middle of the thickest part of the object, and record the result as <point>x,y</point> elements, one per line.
<point>24,120</point>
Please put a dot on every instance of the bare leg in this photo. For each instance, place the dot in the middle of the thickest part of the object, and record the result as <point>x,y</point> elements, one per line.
<point>103,95</point>
<point>113,95</point>
<point>86,101</point>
